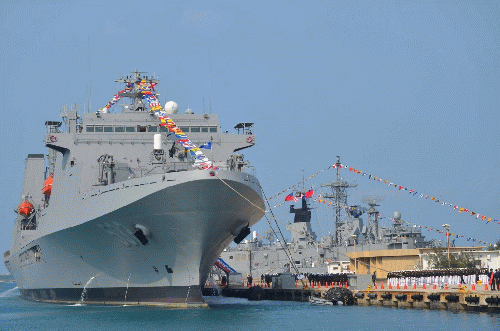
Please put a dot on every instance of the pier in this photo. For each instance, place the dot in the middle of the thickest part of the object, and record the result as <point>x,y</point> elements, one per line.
<point>464,298</point>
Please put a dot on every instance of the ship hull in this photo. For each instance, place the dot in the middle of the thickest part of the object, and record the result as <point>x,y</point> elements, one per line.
<point>188,221</point>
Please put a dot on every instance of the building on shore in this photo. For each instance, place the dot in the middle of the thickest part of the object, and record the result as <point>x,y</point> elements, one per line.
<point>393,260</point>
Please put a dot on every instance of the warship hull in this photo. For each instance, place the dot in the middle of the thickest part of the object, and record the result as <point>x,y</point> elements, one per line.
<point>188,218</point>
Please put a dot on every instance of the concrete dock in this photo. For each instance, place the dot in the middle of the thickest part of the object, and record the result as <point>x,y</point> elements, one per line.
<point>463,298</point>
<point>453,298</point>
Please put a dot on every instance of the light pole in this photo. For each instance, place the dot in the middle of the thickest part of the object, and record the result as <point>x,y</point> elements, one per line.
<point>447,227</point>
<point>355,262</point>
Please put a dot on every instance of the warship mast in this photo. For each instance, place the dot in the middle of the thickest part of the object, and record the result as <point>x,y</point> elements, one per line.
<point>339,188</point>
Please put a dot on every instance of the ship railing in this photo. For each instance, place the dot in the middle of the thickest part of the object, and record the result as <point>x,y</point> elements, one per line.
<point>250,170</point>
<point>140,172</point>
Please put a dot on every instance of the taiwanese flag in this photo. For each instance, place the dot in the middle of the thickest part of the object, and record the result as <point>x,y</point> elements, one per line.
<point>309,193</point>
<point>289,197</point>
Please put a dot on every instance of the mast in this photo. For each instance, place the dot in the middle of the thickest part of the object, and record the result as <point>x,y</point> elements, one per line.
<point>135,93</point>
<point>339,189</point>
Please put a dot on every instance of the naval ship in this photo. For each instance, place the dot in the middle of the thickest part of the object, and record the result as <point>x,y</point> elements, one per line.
<point>125,208</point>
<point>310,254</point>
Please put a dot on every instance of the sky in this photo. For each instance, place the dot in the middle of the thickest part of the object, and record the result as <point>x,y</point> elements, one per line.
<point>408,91</point>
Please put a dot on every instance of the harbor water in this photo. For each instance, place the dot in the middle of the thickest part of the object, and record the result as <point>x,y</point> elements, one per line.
<point>230,314</point>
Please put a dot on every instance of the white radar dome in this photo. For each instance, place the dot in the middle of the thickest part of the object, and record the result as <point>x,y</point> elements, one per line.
<point>396,215</point>
<point>171,107</point>
<point>189,111</point>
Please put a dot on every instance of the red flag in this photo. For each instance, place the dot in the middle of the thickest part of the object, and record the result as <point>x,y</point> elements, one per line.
<point>309,193</point>
<point>289,197</point>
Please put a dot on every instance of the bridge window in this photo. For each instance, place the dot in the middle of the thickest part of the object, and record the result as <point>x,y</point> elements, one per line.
<point>130,128</point>
<point>120,128</point>
<point>163,129</point>
<point>89,128</point>
<point>98,128</point>
<point>108,128</point>
<point>204,129</point>
<point>213,129</point>
<point>141,128</point>
<point>153,128</point>
<point>184,128</point>
<point>195,129</point>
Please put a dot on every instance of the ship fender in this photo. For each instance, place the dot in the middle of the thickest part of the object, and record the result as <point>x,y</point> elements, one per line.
<point>452,298</point>
<point>492,300</point>
<point>386,296</point>
<point>433,297</point>
<point>417,297</point>
<point>401,297</point>
<point>471,299</point>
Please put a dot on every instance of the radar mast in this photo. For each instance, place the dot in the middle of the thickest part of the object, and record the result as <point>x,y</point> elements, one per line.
<point>339,189</point>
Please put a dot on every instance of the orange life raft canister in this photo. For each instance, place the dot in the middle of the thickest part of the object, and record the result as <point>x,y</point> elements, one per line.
<point>47,186</point>
<point>25,208</point>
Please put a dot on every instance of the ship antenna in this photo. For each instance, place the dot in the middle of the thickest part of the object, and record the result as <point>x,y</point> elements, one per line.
<point>209,90</point>
<point>303,191</point>
<point>209,96</point>
<point>90,86</point>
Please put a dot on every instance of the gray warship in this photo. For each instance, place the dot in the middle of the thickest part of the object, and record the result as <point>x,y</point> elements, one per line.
<point>309,254</point>
<point>124,208</point>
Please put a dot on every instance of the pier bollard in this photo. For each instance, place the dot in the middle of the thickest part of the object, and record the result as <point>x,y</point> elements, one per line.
<point>347,285</point>
<point>434,287</point>
<point>424,287</point>
<point>473,287</point>
<point>398,287</point>
<point>406,287</point>
<point>374,286</point>
<point>486,287</point>
<point>382,286</point>
<point>414,286</point>
<point>319,285</point>
<point>326,285</point>
<point>390,286</point>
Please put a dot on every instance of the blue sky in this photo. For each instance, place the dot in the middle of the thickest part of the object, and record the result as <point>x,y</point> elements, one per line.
<point>404,90</point>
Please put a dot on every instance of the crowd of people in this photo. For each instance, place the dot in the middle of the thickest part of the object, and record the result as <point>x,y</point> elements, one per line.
<point>444,276</point>
<point>323,279</point>
<point>311,279</point>
<point>439,277</point>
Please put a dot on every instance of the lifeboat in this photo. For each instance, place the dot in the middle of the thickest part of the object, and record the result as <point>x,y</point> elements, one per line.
<point>47,186</point>
<point>25,208</point>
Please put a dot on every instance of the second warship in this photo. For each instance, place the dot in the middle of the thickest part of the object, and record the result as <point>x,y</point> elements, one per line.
<point>268,255</point>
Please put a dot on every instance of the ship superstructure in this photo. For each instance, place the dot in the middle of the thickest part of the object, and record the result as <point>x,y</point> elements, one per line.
<point>311,255</point>
<point>126,207</point>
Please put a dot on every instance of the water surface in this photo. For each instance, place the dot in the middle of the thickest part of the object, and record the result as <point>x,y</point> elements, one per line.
<point>230,314</point>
